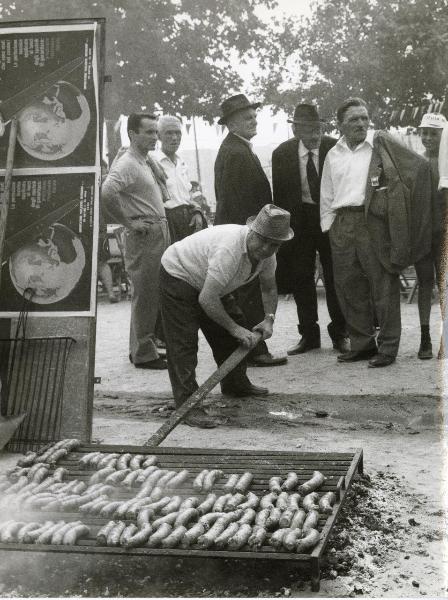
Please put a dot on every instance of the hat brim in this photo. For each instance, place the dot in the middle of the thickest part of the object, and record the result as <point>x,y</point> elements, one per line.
<point>223,120</point>
<point>250,220</point>
<point>441,126</point>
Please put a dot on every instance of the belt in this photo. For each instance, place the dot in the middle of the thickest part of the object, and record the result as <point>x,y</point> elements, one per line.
<point>309,205</point>
<point>350,209</point>
<point>148,219</point>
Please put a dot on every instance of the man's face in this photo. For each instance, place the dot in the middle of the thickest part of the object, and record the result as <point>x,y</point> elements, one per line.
<point>146,138</point>
<point>355,124</point>
<point>431,139</point>
<point>309,133</point>
<point>170,138</point>
<point>244,123</point>
<point>260,247</point>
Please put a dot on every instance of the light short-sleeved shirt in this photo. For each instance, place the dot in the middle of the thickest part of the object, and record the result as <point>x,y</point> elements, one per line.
<point>219,252</point>
<point>443,159</point>
<point>344,178</point>
<point>131,182</point>
<point>178,181</point>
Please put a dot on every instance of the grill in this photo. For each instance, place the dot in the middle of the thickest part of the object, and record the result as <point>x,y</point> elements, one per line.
<point>339,468</point>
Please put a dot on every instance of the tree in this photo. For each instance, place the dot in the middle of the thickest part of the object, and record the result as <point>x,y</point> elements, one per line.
<point>174,54</point>
<point>391,53</point>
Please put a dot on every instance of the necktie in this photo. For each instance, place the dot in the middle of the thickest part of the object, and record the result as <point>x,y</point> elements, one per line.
<point>313,179</point>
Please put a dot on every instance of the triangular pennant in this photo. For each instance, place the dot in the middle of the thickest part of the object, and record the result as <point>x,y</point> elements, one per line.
<point>217,128</point>
<point>223,127</point>
<point>402,114</point>
<point>188,127</point>
<point>415,112</point>
<point>441,105</point>
<point>274,127</point>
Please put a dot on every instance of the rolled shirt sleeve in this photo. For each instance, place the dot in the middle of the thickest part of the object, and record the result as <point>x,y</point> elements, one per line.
<point>443,160</point>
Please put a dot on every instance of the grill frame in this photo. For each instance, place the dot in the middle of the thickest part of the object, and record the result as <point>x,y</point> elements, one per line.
<point>340,469</point>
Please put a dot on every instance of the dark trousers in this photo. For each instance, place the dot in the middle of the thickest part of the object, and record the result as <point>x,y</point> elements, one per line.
<point>364,287</point>
<point>310,240</point>
<point>179,222</point>
<point>182,317</point>
<point>250,302</point>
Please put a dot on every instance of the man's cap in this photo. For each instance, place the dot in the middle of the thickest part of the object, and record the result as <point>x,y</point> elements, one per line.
<point>272,222</point>
<point>233,105</point>
<point>433,121</point>
<point>305,113</point>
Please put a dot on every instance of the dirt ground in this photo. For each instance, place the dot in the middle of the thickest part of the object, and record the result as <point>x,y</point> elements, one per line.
<point>391,538</point>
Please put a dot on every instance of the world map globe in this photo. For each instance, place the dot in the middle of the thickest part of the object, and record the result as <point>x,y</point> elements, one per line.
<point>51,265</point>
<point>53,126</point>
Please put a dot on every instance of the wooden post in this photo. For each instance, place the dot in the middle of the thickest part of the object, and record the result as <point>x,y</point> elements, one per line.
<point>7,188</point>
<point>198,168</point>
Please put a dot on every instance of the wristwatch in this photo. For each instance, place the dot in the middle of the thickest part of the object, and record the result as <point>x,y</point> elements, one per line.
<point>270,316</point>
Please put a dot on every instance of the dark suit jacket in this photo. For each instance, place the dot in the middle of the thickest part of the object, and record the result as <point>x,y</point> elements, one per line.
<point>241,185</point>
<point>288,195</point>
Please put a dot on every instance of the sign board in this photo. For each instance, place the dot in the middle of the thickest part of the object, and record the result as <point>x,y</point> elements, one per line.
<point>52,75</point>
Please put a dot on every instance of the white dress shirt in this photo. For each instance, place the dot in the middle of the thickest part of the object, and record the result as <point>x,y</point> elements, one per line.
<point>303,160</point>
<point>178,182</point>
<point>443,159</point>
<point>344,178</point>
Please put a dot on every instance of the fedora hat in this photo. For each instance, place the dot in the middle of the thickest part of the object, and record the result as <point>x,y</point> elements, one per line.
<point>234,104</point>
<point>272,222</point>
<point>305,113</point>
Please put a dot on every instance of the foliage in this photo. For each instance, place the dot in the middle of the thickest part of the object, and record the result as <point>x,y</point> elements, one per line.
<point>391,53</point>
<point>175,54</point>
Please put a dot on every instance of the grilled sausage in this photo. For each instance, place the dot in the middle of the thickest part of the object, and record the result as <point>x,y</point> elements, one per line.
<point>139,538</point>
<point>136,462</point>
<point>248,516</point>
<point>57,455</point>
<point>156,493</point>
<point>308,542</point>
<point>27,528</point>
<point>234,501</point>
<point>174,538</point>
<point>277,537</point>
<point>294,501</point>
<point>178,480</point>
<point>101,536</point>
<point>210,479</point>
<point>128,531</point>
<point>106,459</point>
<point>282,501</point>
<point>290,482</point>
<point>114,535</point>
<point>275,484</point>
<point>163,481</point>
<point>155,539</point>
<point>144,517</point>
<point>10,531</point>
<point>273,520</point>
<point>75,533</point>
<point>110,508</point>
<point>131,478</point>
<point>207,505</point>
<point>311,501</point>
<point>170,518</point>
<point>251,502</point>
<point>257,538</point>
<point>222,539</point>
<point>190,502</point>
<point>186,516</point>
<point>326,503</point>
<point>199,480</point>
<point>231,482</point>
<point>268,500</point>
<point>244,482</point>
<point>101,475</point>
<point>146,472</point>
<point>172,506</point>
<point>192,535</point>
<point>221,502</point>
<point>316,481</point>
<point>149,461</point>
<point>286,518</point>
<point>58,535</point>
<point>59,474</point>
<point>208,519</point>
<point>117,477</point>
<point>27,460</point>
<point>123,461</point>
<point>290,540</point>
<point>84,461</point>
<point>46,536</point>
<point>240,538</point>
<point>311,521</point>
<point>262,517</point>
<point>208,539</point>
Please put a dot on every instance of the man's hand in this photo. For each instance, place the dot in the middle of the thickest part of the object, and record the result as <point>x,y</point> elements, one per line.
<point>266,328</point>
<point>196,222</point>
<point>246,338</point>
<point>140,226</point>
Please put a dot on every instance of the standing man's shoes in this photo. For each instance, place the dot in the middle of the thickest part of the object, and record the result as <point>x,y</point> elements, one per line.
<point>247,390</point>
<point>356,355</point>
<point>425,351</point>
<point>342,345</point>
<point>304,344</point>
<point>267,360</point>
<point>157,364</point>
<point>381,360</point>
<point>197,417</point>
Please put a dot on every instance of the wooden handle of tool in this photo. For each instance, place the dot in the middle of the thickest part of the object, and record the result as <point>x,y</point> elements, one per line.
<point>7,188</point>
<point>230,363</point>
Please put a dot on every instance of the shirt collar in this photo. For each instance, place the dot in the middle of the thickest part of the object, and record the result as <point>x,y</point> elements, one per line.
<point>161,156</point>
<point>368,140</point>
<point>244,140</point>
<point>303,150</point>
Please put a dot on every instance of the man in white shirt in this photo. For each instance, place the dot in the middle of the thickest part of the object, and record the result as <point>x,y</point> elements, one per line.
<point>197,278</point>
<point>184,216</point>
<point>365,287</point>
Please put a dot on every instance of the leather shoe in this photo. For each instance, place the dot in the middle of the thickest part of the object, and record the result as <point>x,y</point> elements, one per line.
<point>342,345</point>
<point>242,392</point>
<point>267,360</point>
<point>425,351</point>
<point>199,418</point>
<point>157,364</point>
<point>303,345</point>
<point>381,360</point>
<point>356,355</point>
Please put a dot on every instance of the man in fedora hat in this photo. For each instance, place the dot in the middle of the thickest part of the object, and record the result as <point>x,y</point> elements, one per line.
<point>198,277</point>
<point>241,189</point>
<point>296,172</point>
